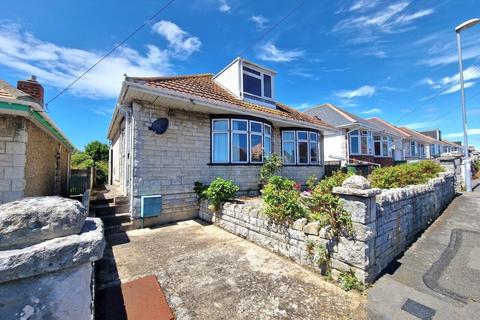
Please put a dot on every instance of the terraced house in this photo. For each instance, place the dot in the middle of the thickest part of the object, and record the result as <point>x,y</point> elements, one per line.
<point>34,153</point>
<point>168,132</point>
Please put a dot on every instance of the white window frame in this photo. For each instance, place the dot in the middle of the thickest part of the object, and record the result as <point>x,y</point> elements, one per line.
<point>297,133</point>
<point>240,132</point>
<point>383,139</point>
<point>294,147</point>
<point>260,134</point>
<point>269,136</point>
<point>220,132</point>
<point>262,89</point>
<point>370,143</point>
<point>317,147</point>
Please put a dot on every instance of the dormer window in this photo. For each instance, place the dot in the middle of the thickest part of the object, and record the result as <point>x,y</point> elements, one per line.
<point>256,84</point>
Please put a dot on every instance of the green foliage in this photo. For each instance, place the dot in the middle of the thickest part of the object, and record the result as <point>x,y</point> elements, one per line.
<point>312,182</point>
<point>404,174</point>
<point>199,188</point>
<point>220,190</point>
<point>283,199</point>
<point>327,184</point>
<point>102,172</point>
<point>476,165</point>
<point>81,160</point>
<point>270,167</point>
<point>97,150</point>
<point>321,256</point>
<point>349,281</point>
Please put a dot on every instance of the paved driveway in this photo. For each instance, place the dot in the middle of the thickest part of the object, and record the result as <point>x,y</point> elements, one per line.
<point>207,273</point>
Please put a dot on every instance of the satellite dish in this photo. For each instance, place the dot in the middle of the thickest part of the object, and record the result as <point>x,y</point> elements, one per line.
<point>159,126</point>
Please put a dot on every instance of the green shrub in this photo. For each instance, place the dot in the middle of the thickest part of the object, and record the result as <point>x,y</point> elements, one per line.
<point>199,188</point>
<point>270,167</point>
<point>282,199</point>
<point>220,190</point>
<point>404,174</point>
<point>102,172</point>
<point>349,281</point>
<point>312,182</point>
<point>327,184</point>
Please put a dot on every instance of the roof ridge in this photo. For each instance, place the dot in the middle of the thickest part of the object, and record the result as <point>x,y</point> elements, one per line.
<point>180,76</point>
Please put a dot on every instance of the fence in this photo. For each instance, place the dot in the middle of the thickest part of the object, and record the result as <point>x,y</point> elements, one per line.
<point>81,180</point>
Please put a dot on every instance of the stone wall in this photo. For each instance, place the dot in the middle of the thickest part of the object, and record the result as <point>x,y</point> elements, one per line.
<point>47,164</point>
<point>13,138</point>
<point>454,164</point>
<point>46,257</point>
<point>170,163</point>
<point>385,222</point>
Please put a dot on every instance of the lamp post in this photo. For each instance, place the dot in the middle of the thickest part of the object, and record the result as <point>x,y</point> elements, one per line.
<point>468,172</point>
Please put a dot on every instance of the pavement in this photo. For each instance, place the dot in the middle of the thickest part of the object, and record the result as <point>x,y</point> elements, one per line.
<point>208,273</point>
<point>438,277</point>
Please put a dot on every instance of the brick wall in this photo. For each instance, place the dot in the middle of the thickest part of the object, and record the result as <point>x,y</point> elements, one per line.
<point>170,163</point>
<point>13,138</point>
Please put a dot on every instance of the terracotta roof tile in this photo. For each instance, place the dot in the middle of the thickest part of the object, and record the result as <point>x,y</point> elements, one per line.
<point>203,85</point>
<point>5,94</point>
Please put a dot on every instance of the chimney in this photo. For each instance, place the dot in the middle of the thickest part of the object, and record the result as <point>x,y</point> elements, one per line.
<point>32,88</point>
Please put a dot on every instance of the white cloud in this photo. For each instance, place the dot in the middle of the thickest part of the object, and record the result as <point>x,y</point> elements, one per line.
<point>363,91</point>
<point>260,21</point>
<point>470,132</point>
<point>429,82</point>
<point>361,5</point>
<point>377,54</point>
<point>456,87</point>
<point>178,40</point>
<point>423,124</point>
<point>468,74</point>
<point>57,66</point>
<point>393,18</point>
<point>270,52</point>
<point>468,52</point>
<point>224,6</point>
<point>372,111</point>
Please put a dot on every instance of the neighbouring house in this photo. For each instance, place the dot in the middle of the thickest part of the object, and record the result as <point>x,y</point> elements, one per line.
<point>167,133</point>
<point>34,153</point>
<point>434,150</point>
<point>415,146</point>
<point>397,135</point>
<point>357,139</point>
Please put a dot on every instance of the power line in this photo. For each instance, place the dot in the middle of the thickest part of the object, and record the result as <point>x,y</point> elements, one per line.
<point>263,35</point>
<point>165,6</point>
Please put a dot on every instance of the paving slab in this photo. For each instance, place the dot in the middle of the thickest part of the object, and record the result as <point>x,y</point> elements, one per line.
<point>438,277</point>
<point>208,273</point>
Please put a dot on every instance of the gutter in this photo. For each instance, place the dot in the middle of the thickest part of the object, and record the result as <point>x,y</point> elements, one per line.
<point>29,109</point>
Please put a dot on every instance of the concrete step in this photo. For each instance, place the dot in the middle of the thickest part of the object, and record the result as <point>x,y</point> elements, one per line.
<point>100,202</point>
<point>120,200</point>
<point>115,219</point>
<point>123,227</point>
<point>110,209</point>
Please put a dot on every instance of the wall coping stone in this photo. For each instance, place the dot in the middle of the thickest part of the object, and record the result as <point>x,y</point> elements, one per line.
<point>54,254</point>
<point>366,193</point>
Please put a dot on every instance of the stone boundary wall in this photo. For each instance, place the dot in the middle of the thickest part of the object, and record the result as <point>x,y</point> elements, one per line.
<point>385,222</point>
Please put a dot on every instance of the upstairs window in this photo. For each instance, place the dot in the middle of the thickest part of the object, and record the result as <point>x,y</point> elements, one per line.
<point>256,84</point>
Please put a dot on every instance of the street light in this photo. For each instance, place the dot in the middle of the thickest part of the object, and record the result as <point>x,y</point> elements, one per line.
<point>468,172</point>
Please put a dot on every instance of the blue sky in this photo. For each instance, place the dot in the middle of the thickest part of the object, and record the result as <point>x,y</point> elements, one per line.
<point>392,59</point>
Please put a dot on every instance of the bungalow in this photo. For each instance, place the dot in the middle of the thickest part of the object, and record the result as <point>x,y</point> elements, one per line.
<point>357,139</point>
<point>397,135</point>
<point>34,153</point>
<point>416,144</point>
<point>167,133</point>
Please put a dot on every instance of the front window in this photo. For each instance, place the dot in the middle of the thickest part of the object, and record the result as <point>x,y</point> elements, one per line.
<point>300,147</point>
<point>382,146</point>
<point>413,149</point>
<point>240,141</point>
<point>361,142</point>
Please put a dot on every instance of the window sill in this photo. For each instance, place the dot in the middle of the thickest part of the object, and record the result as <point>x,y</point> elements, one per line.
<point>234,164</point>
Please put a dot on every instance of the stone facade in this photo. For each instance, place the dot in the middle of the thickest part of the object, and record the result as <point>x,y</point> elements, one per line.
<point>46,259</point>
<point>170,163</point>
<point>455,165</point>
<point>32,163</point>
<point>13,139</point>
<point>385,222</point>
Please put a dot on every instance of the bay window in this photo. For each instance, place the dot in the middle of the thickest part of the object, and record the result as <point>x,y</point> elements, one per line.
<point>300,147</point>
<point>361,142</point>
<point>382,146</point>
<point>240,141</point>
